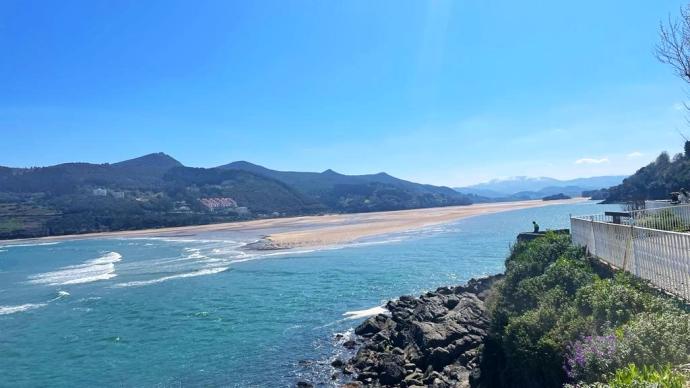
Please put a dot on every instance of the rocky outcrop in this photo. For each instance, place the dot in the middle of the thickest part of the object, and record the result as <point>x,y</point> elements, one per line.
<point>433,340</point>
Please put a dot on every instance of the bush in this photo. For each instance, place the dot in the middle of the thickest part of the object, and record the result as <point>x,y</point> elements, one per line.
<point>633,377</point>
<point>591,358</point>
<point>551,315</point>
<point>529,260</point>
<point>656,339</point>
<point>612,302</point>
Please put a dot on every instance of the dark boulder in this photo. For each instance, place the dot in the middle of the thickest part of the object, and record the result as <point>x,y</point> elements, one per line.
<point>391,373</point>
<point>372,326</point>
<point>433,340</point>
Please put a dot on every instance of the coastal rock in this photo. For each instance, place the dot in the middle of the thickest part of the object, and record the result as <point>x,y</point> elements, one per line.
<point>372,325</point>
<point>391,373</point>
<point>433,340</point>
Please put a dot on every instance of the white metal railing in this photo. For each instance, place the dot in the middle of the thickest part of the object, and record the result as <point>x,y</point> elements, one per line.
<point>672,218</point>
<point>645,244</point>
<point>653,204</point>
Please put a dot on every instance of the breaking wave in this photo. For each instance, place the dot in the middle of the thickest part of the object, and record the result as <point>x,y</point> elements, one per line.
<point>28,245</point>
<point>100,268</point>
<point>201,272</point>
<point>5,310</point>
<point>357,314</point>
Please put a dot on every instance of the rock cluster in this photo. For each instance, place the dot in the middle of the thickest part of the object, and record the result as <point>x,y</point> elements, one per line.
<point>433,340</point>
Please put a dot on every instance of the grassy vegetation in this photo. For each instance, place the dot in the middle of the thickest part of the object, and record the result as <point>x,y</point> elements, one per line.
<point>558,319</point>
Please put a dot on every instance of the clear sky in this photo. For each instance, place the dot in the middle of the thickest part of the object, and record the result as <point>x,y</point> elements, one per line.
<point>438,92</point>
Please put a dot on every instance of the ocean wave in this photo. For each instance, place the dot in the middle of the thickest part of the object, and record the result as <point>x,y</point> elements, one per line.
<point>180,240</point>
<point>288,252</point>
<point>5,310</point>
<point>357,314</point>
<point>374,242</point>
<point>243,257</point>
<point>195,253</point>
<point>28,245</point>
<point>100,268</point>
<point>201,272</point>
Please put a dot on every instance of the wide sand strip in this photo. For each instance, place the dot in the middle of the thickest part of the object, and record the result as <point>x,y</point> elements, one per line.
<point>325,230</point>
<point>361,225</point>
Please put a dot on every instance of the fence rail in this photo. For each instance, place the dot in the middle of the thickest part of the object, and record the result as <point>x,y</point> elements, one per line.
<point>645,244</point>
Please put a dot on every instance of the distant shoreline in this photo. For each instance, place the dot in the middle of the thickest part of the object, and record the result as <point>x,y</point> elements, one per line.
<point>312,231</point>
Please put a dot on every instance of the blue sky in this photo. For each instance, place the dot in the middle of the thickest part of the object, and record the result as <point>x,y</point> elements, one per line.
<point>439,92</point>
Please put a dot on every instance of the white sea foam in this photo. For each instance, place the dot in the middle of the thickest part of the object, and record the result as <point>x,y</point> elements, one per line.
<point>5,310</point>
<point>100,268</point>
<point>357,314</point>
<point>28,245</point>
<point>201,272</point>
<point>194,253</point>
<point>288,252</point>
<point>178,239</point>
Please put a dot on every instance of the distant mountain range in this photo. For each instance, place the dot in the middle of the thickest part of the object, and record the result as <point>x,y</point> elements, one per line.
<point>156,190</point>
<point>359,192</point>
<point>524,188</point>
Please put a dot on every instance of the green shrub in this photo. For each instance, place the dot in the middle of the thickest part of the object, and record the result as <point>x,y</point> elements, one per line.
<point>531,356</point>
<point>528,260</point>
<point>612,302</point>
<point>551,307</point>
<point>634,377</point>
<point>656,339</point>
<point>591,358</point>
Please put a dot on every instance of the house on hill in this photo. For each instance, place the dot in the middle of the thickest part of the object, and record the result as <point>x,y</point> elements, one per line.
<point>218,203</point>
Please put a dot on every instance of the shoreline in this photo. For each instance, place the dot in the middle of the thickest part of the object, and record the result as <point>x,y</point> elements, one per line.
<point>434,339</point>
<point>316,231</point>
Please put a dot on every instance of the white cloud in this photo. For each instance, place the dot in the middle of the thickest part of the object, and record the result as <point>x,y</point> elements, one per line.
<point>679,106</point>
<point>634,154</point>
<point>591,161</point>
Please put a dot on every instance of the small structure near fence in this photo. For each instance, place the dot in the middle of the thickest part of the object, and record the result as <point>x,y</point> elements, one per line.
<point>653,244</point>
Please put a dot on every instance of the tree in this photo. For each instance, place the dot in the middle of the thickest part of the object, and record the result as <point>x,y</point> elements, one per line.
<point>674,46</point>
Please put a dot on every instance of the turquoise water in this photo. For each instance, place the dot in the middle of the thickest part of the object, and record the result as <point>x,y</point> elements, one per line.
<point>200,311</point>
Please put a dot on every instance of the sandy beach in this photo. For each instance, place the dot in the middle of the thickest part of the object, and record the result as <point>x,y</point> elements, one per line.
<point>311,231</point>
<point>351,227</point>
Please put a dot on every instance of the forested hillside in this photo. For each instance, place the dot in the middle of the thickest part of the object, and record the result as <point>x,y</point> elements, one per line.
<point>656,180</point>
<point>158,191</point>
<point>359,193</point>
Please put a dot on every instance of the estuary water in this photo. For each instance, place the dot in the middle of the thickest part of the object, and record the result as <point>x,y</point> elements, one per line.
<point>201,311</point>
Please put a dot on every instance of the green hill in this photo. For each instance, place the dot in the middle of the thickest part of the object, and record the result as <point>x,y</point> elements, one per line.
<point>357,193</point>
<point>158,191</point>
<point>656,180</point>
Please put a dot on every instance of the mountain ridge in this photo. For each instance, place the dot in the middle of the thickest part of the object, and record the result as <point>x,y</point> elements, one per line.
<point>156,190</point>
<point>523,187</point>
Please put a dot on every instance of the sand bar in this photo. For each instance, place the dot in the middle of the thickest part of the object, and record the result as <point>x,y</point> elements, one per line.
<point>310,231</point>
